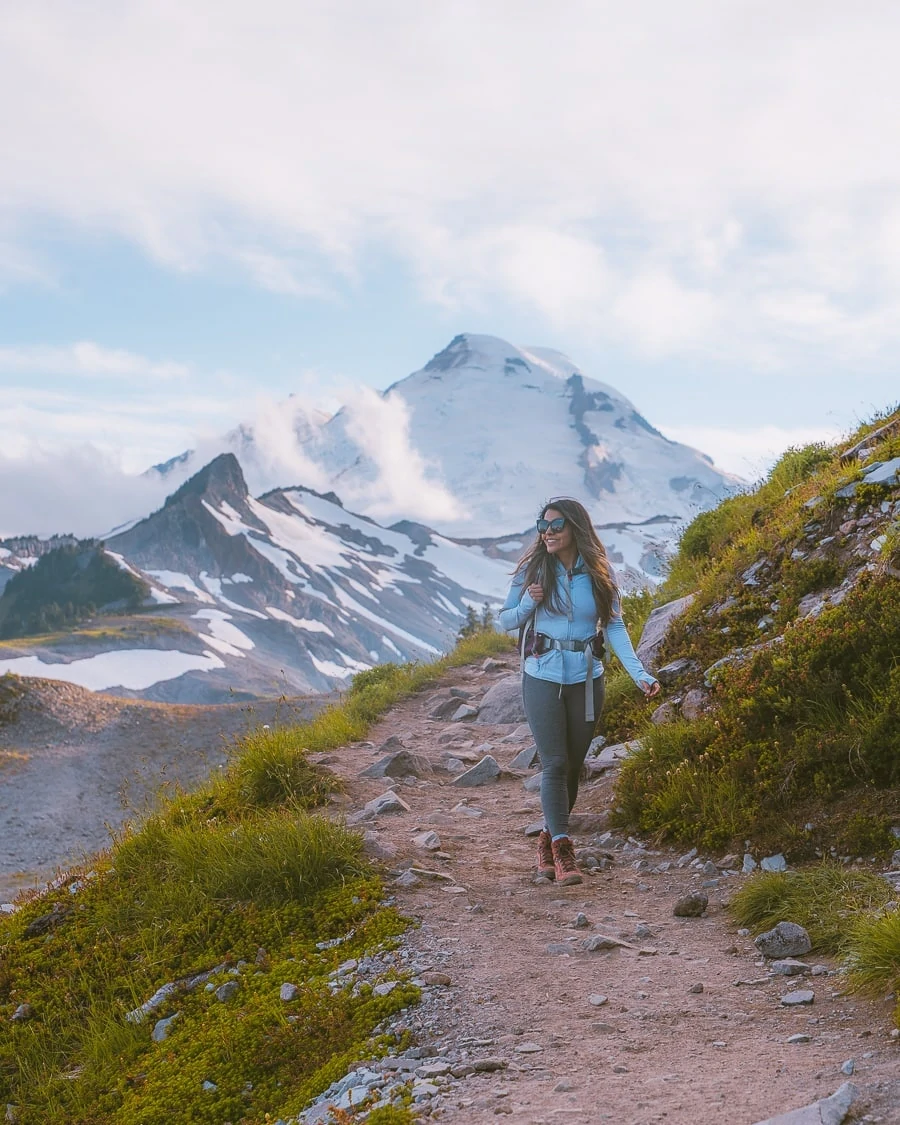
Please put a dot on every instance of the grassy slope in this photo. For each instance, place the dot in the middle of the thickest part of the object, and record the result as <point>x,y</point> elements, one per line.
<point>801,750</point>
<point>806,731</point>
<point>242,870</point>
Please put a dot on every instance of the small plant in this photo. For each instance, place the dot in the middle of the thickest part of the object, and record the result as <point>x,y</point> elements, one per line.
<point>476,623</point>
<point>824,900</point>
<point>873,953</point>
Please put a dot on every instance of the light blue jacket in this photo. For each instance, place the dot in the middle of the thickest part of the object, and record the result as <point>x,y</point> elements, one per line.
<point>577,622</point>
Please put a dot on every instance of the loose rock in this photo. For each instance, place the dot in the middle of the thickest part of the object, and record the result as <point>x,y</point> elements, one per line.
<point>691,905</point>
<point>486,771</point>
<point>525,759</point>
<point>400,764</point>
<point>789,967</point>
<point>787,939</point>
<point>161,1028</point>
<point>598,942</point>
<point>490,1064</point>
<point>826,1111</point>
<point>388,802</point>
<point>799,998</point>
<point>503,703</point>
<point>444,709</point>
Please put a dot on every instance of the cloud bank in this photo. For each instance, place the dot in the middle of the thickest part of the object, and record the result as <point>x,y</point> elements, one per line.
<point>79,491</point>
<point>699,180</point>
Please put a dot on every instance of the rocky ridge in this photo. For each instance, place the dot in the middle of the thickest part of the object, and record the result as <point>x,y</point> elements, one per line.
<point>285,594</point>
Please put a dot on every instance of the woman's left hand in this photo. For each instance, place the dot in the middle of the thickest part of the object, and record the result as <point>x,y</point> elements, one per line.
<point>649,689</point>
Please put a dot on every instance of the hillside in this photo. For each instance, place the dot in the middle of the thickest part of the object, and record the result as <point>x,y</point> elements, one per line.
<point>781,722</point>
<point>67,584</point>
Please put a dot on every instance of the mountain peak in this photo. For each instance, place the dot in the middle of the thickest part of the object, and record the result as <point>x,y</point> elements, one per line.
<point>221,479</point>
<point>470,349</point>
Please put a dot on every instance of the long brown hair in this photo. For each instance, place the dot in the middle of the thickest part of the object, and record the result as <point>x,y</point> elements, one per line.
<point>537,566</point>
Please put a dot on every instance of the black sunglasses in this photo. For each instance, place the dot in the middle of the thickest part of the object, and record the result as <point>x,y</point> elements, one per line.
<point>551,525</point>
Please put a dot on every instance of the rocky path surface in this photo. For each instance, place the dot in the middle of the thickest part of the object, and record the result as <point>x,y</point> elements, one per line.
<point>74,764</point>
<point>674,1020</point>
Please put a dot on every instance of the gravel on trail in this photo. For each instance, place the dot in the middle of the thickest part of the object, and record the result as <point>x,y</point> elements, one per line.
<point>676,1040</point>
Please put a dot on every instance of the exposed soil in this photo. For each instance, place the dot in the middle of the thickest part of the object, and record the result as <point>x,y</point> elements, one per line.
<point>75,764</point>
<point>656,1051</point>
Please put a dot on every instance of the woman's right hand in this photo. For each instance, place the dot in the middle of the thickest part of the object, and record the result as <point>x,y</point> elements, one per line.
<point>536,592</point>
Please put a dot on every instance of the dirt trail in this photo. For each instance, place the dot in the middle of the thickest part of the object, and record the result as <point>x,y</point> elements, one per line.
<point>658,1049</point>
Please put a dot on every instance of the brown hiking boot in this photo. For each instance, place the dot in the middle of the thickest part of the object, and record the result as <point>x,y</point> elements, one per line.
<point>546,868</point>
<point>567,873</point>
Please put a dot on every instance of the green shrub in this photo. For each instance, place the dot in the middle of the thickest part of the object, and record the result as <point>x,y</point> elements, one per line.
<point>271,767</point>
<point>799,463</point>
<point>866,835</point>
<point>873,953</point>
<point>281,857</point>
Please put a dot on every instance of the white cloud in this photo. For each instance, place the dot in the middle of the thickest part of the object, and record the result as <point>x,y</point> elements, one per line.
<point>687,179</point>
<point>86,358</point>
<point>284,440</point>
<point>750,452</point>
<point>404,484</point>
<point>139,428</point>
<point>79,490</point>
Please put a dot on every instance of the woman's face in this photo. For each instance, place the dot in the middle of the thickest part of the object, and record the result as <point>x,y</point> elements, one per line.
<point>556,541</point>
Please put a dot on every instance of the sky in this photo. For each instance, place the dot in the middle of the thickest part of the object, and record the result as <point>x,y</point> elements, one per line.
<point>207,207</point>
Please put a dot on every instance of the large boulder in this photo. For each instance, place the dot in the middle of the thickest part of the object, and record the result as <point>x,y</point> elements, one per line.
<point>826,1111</point>
<point>656,628</point>
<point>503,702</point>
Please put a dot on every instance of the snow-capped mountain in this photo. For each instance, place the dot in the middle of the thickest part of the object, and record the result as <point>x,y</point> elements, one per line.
<point>364,536</point>
<point>503,428</point>
<point>292,589</point>
<point>478,438</point>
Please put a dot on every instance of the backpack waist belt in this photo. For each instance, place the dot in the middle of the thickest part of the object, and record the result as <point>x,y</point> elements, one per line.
<point>587,647</point>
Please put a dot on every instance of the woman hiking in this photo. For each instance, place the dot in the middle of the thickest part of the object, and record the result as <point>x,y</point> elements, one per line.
<point>564,598</point>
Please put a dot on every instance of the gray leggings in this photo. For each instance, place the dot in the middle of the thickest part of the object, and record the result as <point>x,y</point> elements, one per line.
<point>562,736</point>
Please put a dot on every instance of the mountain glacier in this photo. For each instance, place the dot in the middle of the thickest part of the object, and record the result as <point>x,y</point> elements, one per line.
<point>302,547</point>
<point>473,443</point>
